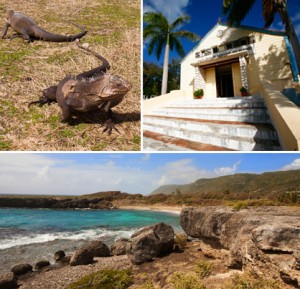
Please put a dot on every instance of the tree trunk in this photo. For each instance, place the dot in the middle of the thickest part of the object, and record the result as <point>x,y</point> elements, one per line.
<point>165,70</point>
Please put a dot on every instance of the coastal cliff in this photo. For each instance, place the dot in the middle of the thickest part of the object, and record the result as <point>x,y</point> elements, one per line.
<point>56,203</point>
<point>263,240</point>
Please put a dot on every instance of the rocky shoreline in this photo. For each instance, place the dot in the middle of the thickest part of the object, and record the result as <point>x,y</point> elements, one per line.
<point>259,242</point>
<point>57,203</point>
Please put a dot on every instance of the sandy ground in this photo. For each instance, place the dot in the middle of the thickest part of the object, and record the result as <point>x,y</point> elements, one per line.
<point>174,209</point>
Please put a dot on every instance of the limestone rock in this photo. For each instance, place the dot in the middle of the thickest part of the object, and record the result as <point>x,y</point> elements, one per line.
<point>8,281</point>
<point>59,255</point>
<point>82,256</point>
<point>21,269</point>
<point>272,237</point>
<point>296,264</point>
<point>119,247</point>
<point>98,249</point>
<point>150,242</point>
<point>261,238</point>
<point>41,264</point>
<point>65,260</point>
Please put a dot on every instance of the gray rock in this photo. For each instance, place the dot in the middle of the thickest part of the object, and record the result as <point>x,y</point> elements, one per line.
<point>21,269</point>
<point>59,255</point>
<point>119,247</point>
<point>282,237</point>
<point>8,281</point>
<point>296,264</point>
<point>65,260</point>
<point>41,264</point>
<point>254,237</point>
<point>98,249</point>
<point>82,256</point>
<point>150,242</point>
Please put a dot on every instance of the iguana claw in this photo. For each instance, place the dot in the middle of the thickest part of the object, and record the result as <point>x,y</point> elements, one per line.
<point>109,126</point>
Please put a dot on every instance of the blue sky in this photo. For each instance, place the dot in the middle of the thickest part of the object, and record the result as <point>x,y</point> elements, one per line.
<point>205,14</point>
<point>83,173</point>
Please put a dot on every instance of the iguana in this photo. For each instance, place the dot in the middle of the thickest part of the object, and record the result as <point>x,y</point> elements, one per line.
<point>49,94</point>
<point>88,91</point>
<point>27,29</point>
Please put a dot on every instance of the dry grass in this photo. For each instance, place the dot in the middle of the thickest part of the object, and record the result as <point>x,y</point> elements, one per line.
<point>25,69</point>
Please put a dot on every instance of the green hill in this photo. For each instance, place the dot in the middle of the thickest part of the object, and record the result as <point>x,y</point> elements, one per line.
<point>256,185</point>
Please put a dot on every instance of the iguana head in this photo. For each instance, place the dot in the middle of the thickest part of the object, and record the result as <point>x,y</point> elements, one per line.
<point>110,86</point>
<point>104,87</point>
<point>9,13</point>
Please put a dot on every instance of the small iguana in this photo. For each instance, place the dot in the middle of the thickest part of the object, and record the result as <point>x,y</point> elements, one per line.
<point>88,91</point>
<point>27,29</point>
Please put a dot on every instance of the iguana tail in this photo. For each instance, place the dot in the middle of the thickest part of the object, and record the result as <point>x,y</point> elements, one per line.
<point>95,71</point>
<point>42,34</point>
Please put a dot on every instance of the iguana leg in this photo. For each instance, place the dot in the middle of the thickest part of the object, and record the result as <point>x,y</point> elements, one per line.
<point>66,113</point>
<point>109,125</point>
<point>24,35</point>
<point>4,30</point>
<point>42,101</point>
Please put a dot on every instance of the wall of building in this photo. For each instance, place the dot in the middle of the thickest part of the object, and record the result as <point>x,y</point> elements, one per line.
<point>210,87</point>
<point>270,61</point>
<point>237,79</point>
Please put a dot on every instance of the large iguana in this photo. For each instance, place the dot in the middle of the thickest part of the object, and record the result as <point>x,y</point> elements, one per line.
<point>27,29</point>
<point>88,91</point>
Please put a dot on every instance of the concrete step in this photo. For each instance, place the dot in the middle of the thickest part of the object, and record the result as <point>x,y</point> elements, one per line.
<point>236,102</point>
<point>260,131</point>
<point>251,115</point>
<point>158,142</point>
<point>233,123</point>
<point>221,140</point>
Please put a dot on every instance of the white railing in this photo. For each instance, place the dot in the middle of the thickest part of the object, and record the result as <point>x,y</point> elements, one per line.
<point>247,48</point>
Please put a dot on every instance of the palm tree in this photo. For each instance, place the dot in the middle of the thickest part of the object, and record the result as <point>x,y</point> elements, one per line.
<point>238,9</point>
<point>161,33</point>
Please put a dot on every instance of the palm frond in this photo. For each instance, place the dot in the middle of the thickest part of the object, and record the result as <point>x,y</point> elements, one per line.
<point>269,10</point>
<point>156,19</point>
<point>181,20</point>
<point>175,43</point>
<point>187,35</point>
<point>237,10</point>
<point>159,47</point>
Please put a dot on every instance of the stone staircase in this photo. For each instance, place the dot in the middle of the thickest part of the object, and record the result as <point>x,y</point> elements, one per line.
<point>223,124</point>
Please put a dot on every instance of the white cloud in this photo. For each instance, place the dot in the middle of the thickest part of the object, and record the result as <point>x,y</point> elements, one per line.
<point>27,173</point>
<point>171,9</point>
<point>39,174</point>
<point>295,165</point>
<point>184,171</point>
<point>227,170</point>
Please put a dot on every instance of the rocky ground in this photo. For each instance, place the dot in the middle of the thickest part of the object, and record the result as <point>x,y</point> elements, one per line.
<point>60,278</point>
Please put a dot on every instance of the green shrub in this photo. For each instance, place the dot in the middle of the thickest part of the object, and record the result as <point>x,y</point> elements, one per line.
<point>250,281</point>
<point>181,240</point>
<point>182,280</point>
<point>104,279</point>
<point>203,268</point>
<point>148,285</point>
<point>198,93</point>
<point>239,205</point>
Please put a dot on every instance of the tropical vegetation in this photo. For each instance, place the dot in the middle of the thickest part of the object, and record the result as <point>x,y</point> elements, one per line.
<point>162,34</point>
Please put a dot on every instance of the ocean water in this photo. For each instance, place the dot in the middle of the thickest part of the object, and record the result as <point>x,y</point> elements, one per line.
<point>29,235</point>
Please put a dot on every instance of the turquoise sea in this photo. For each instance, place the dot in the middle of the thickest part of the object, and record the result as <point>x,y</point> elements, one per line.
<point>29,235</point>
